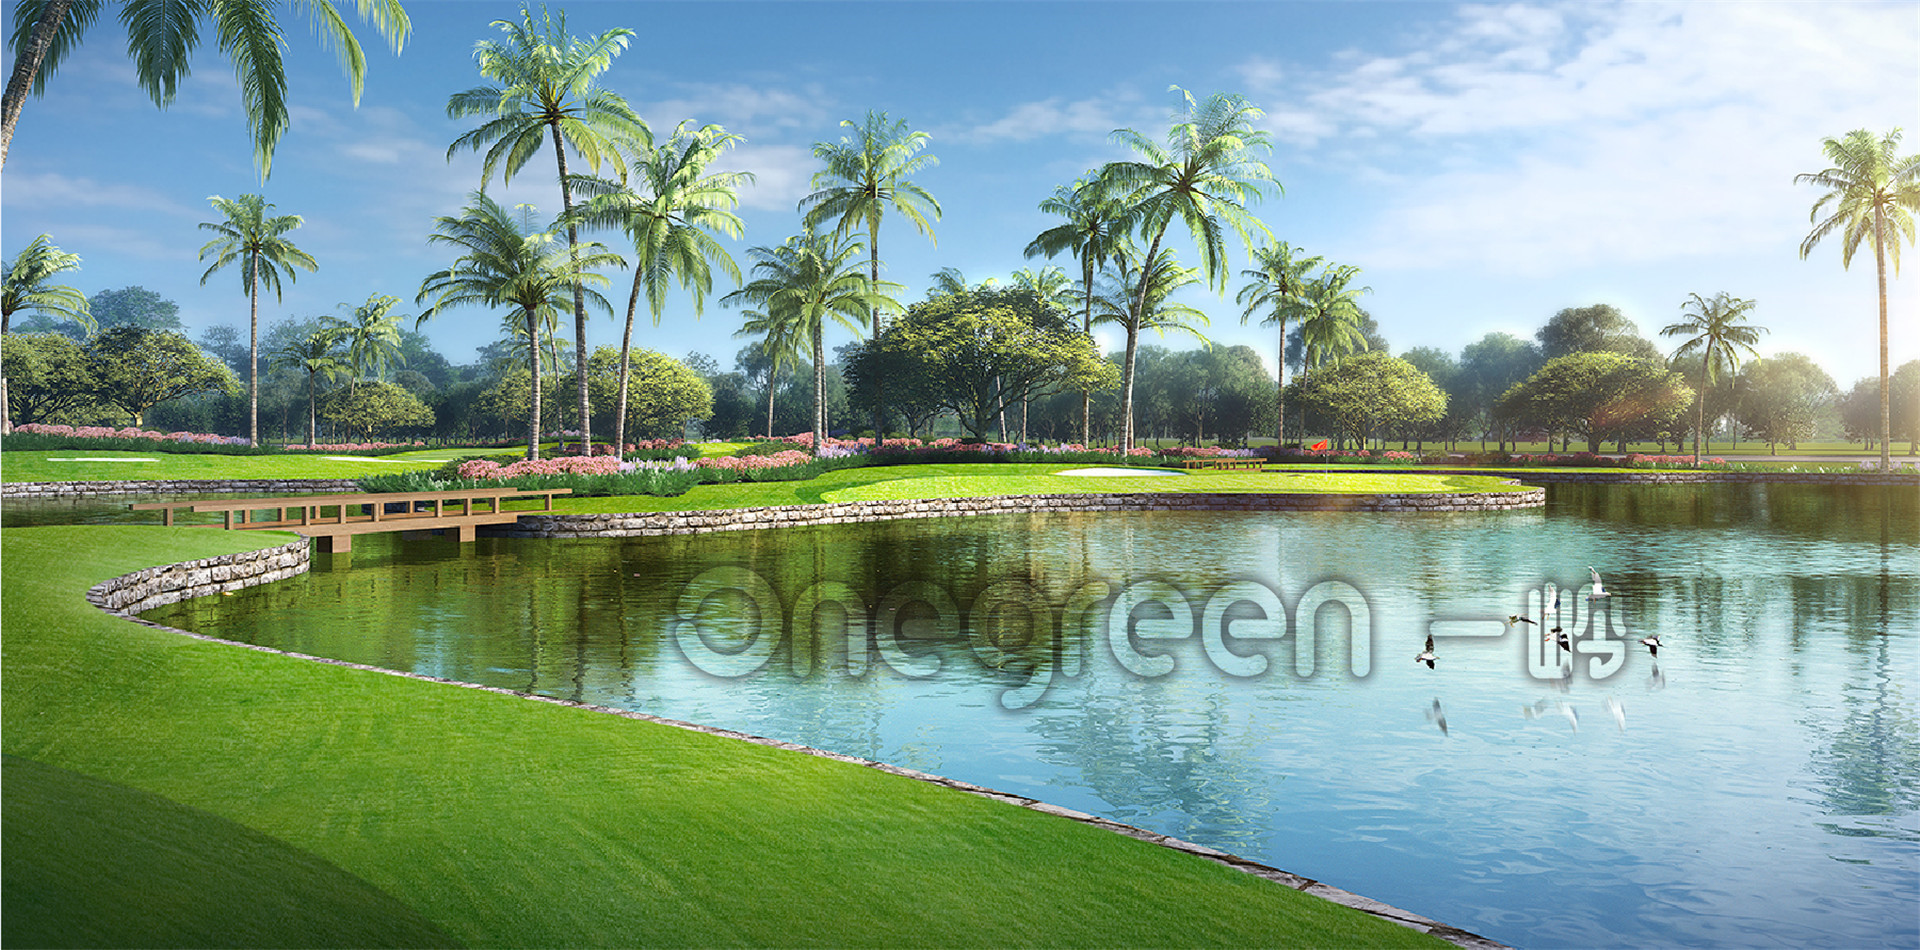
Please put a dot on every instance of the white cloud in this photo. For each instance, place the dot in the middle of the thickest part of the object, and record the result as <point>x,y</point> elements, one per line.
<point>742,108</point>
<point>783,174</point>
<point>1095,117</point>
<point>52,190</point>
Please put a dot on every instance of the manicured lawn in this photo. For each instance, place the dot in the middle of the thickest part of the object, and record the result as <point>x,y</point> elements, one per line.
<point>162,790</point>
<point>47,467</point>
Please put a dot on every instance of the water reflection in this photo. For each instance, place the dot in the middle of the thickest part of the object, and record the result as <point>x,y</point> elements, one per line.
<point>1757,779</point>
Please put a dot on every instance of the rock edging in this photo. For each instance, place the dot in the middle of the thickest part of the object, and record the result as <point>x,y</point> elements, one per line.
<point>140,591</point>
<point>178,486</point>
<point>1549,476</point>
<point>542,525</point>
<point>129,594</point>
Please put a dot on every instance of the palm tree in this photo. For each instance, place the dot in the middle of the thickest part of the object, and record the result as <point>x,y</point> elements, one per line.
<point>949,280</point>
<point>257,239</point>
<point>866,173</point>
<point>543,88</point>
<point>161,37</point>
<point>318,355</point>
<point>1874,192</point>
<point>1718,339</point>
<point>805,280</point>
<point>671,208</point>
<point>1205,176</point>
<point>28,285</point>
<point>1274,287</point>
<point>1050,284</point>
<point>1330,315</point>
<point>506,260</point>
<point>1092,232</point>
<point>1150,310</point>
<point>782,337</point>
<point>372,337</point>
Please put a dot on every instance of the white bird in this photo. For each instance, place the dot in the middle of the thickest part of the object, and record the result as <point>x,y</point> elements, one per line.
<point>1427,656</point>
<point>1516,618</point>
<point>1619,713</point>
<point>1598,591</point>
<point>1652,643</point>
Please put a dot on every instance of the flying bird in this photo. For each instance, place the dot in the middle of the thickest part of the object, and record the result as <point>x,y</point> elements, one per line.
<point>1553,612</point>
<point>1427,655</point>
<point>1598,591</point>
<point>1652,643</point>
<point>1516,618</point>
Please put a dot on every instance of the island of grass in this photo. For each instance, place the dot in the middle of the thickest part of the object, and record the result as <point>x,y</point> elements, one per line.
<point>166,790</point>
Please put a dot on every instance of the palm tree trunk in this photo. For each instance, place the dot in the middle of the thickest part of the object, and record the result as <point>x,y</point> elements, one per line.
<point>1280,390</point>
<point>820,396</point>
<point>773,374</point>
<point>873,287</point>
<point>1699,417</point>
<point>626,351</point>
<point>1886,404</point>
<point>579,296</point>
<point>253,353</point>
<point>25,68</point>
<point>313,414</point>
<point>1139,305</point>
<point>533,361</point>
<point>1086,326</point>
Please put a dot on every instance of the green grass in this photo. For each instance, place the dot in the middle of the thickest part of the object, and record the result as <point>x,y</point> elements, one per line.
<point>425,810</point>
<point>41,467</point>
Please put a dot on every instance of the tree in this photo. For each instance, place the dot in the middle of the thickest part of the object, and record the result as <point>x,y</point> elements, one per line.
<point>1275,289</point>
<point>135,307</point>
<point>1779,397</point>
<point>782,338</point>
<point>372,338</point>
<point>318,355</point>
<point>47,375</point>
<point>1860,407</point>
<point>671,209</point>
<point>377,407</point>
<point>543,87</point>
<point>223,341</point>
<point>1717,338</point>
<point>1368,391</point>
<point>506,260</point>
<point>981,351</point>
<point>28,286</point>
<point>1092,232</point>
<point>867,173</point>
<point>134,368</point>
<point>804,281</point>
<point>1331,316</point>
<point>1446,373</point>
<point>1491,366</point>
<point>949,280</point>
<point>257,240</point>
<point>1600,395</point>
<point>1140,303</point>
<point>161,37</point>
<point>1219,389</point>
<point>1874,192</point>
<point>1599,328</point>
<point>667,394</point>
<point>1205,176</point>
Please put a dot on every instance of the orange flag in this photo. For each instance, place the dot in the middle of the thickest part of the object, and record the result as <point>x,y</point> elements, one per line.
<point>1317,446</point>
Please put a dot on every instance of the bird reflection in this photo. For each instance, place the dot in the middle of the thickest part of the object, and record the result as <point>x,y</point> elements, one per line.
<point>1542,707</point>
<point>1656,679</point>
<point>1619,713</point>
<point>1438,716</point>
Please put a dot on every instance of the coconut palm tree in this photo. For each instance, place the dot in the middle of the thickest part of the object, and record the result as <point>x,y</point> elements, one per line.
<point>507,260</point>
<point>252,236</point>
<point>949,280</point>
<point>1092,231</point>
<point>542,87</point>
<point>161,38</point>
<point>806,280</point>
<point>867,173</point>
<point>1874,192</point>
<point>671,207</point>
<point>318,355</point>
<point>1205,176</point>
<point>27,285</point>
<point>1153,311</point>
<point>372,336</point>
<point>1717,337</point>
<point>1050,284</point>
<point>1330,315</point>
<point>783,335</point>
<point>1274,287</point>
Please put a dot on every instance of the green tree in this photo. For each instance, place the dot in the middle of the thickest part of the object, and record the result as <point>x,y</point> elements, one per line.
<point>377,408</point>
<point>257,240</point>
<point>372,338</point>
<point>1873,192</point>
<point>1780,397</point>
<point>1860,407</point>
<point>1595,329</point>
<point>136,307</point>
<point>782,337</point>
<point>543,86</point>
<point>1330,322</point>
<point>1369,391</point>
<point>1137,298</point>
<point>1599,395</point>
<point>667,394</point>
<point>47,374</point>
<point>161,38</point>
<point>1716,335</point>
<point>671,208</point>
<point>135,368</point>
<point>1446,373</point>
<point>1276,287</point>
<point>28,286</point>
<point>1491,366</point>
<point>1218,389</point>
<point>317,355</point>
<point>804,281</point>
<point>1205,176</point>
<point>1093,230</point>
<point>507,261</point>
<point>979,352</point>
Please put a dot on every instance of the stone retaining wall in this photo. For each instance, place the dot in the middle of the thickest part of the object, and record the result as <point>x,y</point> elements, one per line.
<point>182,486</point>
<point>1548,476</point>
<point>781,516</point>
<point>131,594</point>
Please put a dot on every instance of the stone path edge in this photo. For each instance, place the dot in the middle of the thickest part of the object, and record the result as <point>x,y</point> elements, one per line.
<point>171,583</point>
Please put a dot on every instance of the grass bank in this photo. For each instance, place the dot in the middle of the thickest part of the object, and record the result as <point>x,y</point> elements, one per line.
<point>155,782</point>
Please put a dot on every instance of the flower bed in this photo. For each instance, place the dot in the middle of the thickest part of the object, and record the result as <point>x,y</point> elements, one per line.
<point>130,432</point>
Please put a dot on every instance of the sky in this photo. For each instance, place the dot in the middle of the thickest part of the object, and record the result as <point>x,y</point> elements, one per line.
<point>1484,165</point>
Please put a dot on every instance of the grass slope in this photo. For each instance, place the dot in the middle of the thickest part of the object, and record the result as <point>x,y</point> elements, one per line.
<point>42,467</point>
<point>501,821</point>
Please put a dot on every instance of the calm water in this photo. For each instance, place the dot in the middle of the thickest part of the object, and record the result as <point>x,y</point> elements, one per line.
<point>1759,785</point>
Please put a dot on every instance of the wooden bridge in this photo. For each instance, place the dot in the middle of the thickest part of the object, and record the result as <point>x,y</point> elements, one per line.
<point>335,519</point>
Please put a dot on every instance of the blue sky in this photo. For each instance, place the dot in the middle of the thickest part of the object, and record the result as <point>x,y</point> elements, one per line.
<point>1484,165</point>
